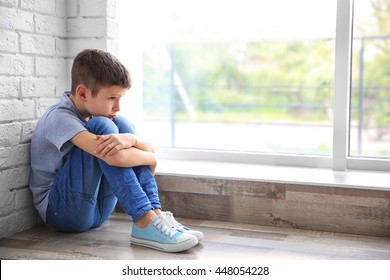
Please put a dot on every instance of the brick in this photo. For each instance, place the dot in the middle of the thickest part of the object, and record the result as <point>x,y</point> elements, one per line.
<point>43,103</point>
<point>77,45</point>
<point>50,25</point>
<point>41,6</point>
<point>7,204</point>
<point>96,9</point>
<point>10,134</point>
<point>50,66</point>
<point>9,41</point>
<point>112,29</point>
<point>86,27</point>
<point>12,110</point>
<point>37,44</point>
<point>111,8</point>
<point>9,3</point>
<point>61,47</point>
<point>61,8</point>
<point>14,178</point>
<point>23,199</point>
<point>38,87</point>
<point>16,155</point>
<point>113,46</point>
<point>18,221</point>
<point>62,84</point>
<point>9,87</point>
<point>72,7</point>
<point>14,19</point>
<point>16,65</point>
<point>69,62</point>
<point>27,130</point>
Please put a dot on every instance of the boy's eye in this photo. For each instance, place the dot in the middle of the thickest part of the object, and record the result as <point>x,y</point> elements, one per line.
<point>111,98</point>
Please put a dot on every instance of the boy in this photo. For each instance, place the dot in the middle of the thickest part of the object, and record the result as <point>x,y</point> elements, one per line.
<point>84,158</point>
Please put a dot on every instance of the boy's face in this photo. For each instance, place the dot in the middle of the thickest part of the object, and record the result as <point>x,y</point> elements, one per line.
<point>106,102</point>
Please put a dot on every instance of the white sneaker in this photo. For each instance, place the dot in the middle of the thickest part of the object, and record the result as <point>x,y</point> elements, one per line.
<point>160,235</point>
<point>175,224</point>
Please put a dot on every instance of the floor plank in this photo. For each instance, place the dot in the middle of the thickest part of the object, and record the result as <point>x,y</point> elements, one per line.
<point>222,241</point>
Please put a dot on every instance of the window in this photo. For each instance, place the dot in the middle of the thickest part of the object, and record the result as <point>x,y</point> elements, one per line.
<point>255,80</point>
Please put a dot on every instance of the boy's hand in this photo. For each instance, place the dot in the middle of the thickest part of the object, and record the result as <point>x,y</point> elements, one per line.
<point>109,144</point>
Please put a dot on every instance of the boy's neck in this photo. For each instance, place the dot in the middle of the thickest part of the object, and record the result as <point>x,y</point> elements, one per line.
<point>79,107</point>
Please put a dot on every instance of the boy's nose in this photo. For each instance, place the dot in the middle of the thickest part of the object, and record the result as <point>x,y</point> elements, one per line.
<point>117,107</point>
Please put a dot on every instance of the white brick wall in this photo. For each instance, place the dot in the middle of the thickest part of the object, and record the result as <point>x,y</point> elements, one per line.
<point>38,41</point>
<point>91,24</point>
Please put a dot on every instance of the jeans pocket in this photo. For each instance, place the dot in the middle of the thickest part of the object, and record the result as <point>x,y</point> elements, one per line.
<point>76,215</point>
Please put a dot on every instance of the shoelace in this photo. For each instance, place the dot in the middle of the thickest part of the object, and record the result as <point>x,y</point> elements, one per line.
<point>172,220</point>
<point>163,226</point>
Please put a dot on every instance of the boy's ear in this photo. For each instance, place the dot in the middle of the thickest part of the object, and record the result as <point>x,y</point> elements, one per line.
<point>81,92</point>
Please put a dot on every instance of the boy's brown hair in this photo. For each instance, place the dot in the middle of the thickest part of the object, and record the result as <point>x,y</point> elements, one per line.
<point>96,69</point>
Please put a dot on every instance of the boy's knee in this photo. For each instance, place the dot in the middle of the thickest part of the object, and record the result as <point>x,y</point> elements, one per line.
<point>124,125</point>
<point>101,125</point>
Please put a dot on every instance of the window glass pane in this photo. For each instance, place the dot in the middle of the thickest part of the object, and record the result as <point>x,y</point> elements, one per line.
<point>370,105</point>
<point>238,75</point>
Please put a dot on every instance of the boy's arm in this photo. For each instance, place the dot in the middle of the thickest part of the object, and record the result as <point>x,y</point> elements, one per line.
<point>124,157</point>
<point>111,143</point>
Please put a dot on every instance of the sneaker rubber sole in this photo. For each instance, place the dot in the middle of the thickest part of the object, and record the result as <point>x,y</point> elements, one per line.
<point>170,248</point>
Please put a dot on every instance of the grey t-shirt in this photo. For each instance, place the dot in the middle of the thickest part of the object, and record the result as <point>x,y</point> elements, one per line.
<point>50,144</point>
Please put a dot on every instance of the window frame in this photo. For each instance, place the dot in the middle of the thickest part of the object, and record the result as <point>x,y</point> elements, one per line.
<point>342,83</point>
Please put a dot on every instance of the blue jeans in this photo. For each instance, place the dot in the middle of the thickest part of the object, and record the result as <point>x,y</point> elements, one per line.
<point>86,189</point>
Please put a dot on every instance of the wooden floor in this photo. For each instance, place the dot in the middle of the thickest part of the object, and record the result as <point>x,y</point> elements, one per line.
<point>222,241</point>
